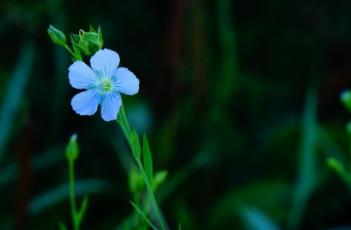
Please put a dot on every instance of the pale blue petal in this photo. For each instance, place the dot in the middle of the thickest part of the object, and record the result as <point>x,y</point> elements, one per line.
<point>110,105</point>
<point>105,62</point>
<point>125,81</point>
<point>86,103</point>
<point>81,76</point>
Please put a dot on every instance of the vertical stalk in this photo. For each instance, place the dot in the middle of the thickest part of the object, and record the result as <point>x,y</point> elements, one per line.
<point>124,124</point>
<point>72,195</point>
<point>151,195</point>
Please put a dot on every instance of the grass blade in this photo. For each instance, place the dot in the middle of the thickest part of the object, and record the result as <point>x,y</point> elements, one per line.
<point>14,93</point>
<point>142,214</point>
<point>60,193</point>
<point>255,219</point>
<point>147,159</point>
<point>307,171</point>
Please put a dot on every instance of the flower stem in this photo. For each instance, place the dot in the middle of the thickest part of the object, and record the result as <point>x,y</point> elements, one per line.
<point>72,195</point>
<point>151,194</point>
<point>69,50</point>
<point>124,124</point>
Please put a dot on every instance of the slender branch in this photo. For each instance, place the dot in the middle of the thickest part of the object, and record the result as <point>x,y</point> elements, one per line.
<point>69,50</point>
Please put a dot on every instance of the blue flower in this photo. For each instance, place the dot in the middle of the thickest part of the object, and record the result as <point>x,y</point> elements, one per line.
<point>103,83</point>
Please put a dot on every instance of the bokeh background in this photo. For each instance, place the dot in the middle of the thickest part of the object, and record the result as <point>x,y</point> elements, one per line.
<point>240,100</point>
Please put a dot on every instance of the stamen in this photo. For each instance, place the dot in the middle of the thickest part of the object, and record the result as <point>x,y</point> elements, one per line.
<point>105,86</point>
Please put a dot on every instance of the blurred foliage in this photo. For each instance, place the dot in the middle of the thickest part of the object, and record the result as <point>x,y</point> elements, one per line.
<point>240,101</point>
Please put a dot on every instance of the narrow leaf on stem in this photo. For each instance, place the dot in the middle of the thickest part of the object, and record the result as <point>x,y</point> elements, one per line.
<point>147,160</point>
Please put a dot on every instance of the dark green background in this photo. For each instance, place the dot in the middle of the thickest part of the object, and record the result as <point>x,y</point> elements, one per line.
<point>240,99</point>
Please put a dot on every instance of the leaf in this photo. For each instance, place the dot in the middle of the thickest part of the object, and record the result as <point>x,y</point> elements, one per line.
<point>14,93</point>
<point>255,219</point>
<point>227,81</point>
<point>142,214</point>
<point>40,162</point>
<point>266,195</point>
<point>307,165</point>
<point>83,208</point>
<point>91,29</point>
<point>147,158</point>
<point>75,40</point>
<point>136,181</point>
<point>61,193</point>
<point>160,177</point>
<point>336,165</point>
<point>135,143</point>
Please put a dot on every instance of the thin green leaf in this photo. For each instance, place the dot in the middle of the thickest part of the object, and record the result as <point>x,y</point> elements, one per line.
<point>307,167</point>
<point>91,29</point>
<point>83,208</point>
<point>14,93</point>
<point>336,165</point>
<point>160,177</point>
<point>40,162</point>
<point>255,219</point>
<point>142,214</point>
<point>135,143</point>
<point>60,193</point>
<point>100,35</point>
<point>74,40</point>
<point>147,158</point>
<point>228,79</point>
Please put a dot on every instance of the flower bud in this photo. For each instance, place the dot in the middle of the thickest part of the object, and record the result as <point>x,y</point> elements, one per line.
<point>72,149</point>
<point>57,36</point>
<point>90,42</point>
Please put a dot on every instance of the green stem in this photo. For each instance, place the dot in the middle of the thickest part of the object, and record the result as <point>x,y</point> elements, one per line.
<point>151,195</point>
<point>72,195</point>
<point>69,50</point>
<point>124,124</point>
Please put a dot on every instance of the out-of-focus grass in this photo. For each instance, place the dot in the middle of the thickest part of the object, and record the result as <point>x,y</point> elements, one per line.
<point>40,163</point>
<point>15,93</point>
<point>223,87</point>
<point>307,179</point>
<point>59,194</point>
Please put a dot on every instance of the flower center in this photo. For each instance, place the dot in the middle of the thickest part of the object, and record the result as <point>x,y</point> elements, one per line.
<point>105,86</point>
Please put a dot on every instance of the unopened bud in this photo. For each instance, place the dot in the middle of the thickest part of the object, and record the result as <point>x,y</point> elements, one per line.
<point>57,36</point>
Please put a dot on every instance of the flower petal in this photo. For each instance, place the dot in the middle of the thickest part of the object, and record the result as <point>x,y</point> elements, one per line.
<point>81,76</point>
<point>110,105</point>
<point>125,81</point>
<point>105,62</point>
<point>86,103</point>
